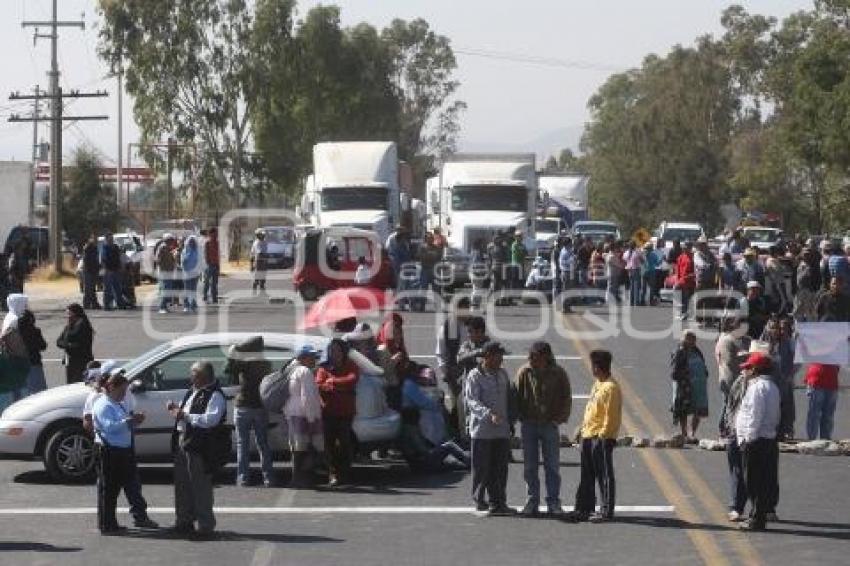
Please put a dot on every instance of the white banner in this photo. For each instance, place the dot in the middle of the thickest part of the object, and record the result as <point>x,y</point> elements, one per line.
<point>823,343</point>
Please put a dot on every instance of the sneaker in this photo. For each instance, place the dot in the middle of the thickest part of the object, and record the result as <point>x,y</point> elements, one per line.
<point>501,511</point>
<point>163,311</point>
<point>186,310</point>
<point>751,525</point>
<point>145,523</point>
<point>333,481</point>
<point>599,518</point>
<point>531,509</point>
<point>734,516</point>
<point>771,517</point>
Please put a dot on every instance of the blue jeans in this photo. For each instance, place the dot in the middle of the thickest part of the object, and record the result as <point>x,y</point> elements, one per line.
<point>535,437</point>
<point>211,283</point>
<point>819,420</point>
<point>166,287</point>
<point>258,420</point>
<point>190,293</point>
<point>634,287</point>
<point>112,289</point>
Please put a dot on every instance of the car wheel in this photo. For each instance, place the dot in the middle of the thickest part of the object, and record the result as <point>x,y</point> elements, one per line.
<point>70,455</point>
<point>309,292</point>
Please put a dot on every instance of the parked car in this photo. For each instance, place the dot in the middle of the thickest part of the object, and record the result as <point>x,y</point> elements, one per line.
<point>280,241</point>
<point>48,425</point>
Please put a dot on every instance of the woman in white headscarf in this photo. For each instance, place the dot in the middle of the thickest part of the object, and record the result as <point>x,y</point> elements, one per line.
<point>14,356</point>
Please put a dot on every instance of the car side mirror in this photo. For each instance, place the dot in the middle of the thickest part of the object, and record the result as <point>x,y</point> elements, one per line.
<point>137,386</point>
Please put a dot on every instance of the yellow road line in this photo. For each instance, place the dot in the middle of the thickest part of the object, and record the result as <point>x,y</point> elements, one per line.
<point>706,544</point>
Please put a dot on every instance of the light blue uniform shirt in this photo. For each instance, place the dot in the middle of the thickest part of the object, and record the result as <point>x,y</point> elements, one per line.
<point>112,423</point>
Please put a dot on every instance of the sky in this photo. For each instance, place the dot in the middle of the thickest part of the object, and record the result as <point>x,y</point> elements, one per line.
<point>513,106</point>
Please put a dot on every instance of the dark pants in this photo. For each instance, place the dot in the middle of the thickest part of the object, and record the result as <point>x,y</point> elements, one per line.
<point>490,470</point>
<point>211,283</point>
<point>597,466</point>
<point>89,290</point>
<point>338,444</point>
<point>74,370</point>
<point>737,483</point>
<point>760,459</point>
<point>112,292</point>
<point>114,472</point>
<point>686,300</point>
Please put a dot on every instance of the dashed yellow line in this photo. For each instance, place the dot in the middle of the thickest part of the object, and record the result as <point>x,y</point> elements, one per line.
<point>705,543</point>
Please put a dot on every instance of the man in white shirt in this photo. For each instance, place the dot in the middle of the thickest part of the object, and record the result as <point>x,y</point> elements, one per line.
<point>303,412</point>
<point>566,265</point>
<point>259,258</point>
<point>202,410</point>
<point>755,426</point>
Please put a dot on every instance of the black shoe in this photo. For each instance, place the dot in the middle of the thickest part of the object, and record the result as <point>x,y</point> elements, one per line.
<point>182,530</point>
<point>575,517</point>
<point>501,511</point>
<point>531,509</point>
<point>113,530</point>
<point>145,523</point>
<point>481,506</point>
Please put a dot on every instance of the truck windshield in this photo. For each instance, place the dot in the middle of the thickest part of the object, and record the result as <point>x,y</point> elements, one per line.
<point>761,236</point>
<point>354,198</point>
<point>488,197</point>
<point>681,234</point>
<point>280,235</point>
<point>548,226</point>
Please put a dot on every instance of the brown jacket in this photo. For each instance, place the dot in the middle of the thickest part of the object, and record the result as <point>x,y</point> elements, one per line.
<point>543,396</point>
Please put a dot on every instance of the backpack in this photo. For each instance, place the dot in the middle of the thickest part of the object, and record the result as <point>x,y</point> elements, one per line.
<point>274,388</point>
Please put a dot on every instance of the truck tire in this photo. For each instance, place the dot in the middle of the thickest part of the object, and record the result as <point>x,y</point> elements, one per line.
<point>70,455</point>
<point>309,292</point>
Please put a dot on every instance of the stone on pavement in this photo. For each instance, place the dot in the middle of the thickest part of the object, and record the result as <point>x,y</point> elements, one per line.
<point>712,445</point>
<point>813,447</point>
<point>625,441</point>
<point>640,442</point>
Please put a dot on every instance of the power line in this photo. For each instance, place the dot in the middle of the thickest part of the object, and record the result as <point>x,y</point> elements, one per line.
<point>537,60</point>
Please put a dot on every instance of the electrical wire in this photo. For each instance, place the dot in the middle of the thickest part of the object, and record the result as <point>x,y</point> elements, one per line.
<point>537,60</point>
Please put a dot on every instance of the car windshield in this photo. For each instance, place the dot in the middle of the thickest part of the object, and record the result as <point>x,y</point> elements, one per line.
<point>282,235</point>
<point>354,198</point>
<point>138,363</point>
<point>761,236</point>
<point>548,226</point>
<point>489,197</point>
<point>681,234</point>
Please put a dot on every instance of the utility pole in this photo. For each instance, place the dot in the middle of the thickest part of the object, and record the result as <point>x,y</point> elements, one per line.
<point>36,110</point>
<point>119,176</point>
<point>169,167</point>
<point>55,97</point>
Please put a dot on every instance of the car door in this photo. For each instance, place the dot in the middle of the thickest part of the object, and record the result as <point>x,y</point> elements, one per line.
<point>168,380</point>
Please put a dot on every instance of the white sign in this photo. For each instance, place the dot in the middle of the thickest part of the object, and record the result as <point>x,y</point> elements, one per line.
<point>823,343</point>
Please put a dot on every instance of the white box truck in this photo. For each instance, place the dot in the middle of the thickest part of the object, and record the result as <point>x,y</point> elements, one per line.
<point>15,182</point>
<point>354,184</point>
<point>478,195</point>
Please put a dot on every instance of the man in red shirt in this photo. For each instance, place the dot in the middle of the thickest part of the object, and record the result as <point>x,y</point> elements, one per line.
<point>822,391</point>
<point>685,277</point>
<point>213,269</point>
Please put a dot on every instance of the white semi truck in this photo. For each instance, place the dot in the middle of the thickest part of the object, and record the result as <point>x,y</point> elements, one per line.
<point>354,184</point>
<point>478,195</point>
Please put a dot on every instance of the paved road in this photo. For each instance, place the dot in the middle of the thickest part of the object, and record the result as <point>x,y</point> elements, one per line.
<point>674,501</point>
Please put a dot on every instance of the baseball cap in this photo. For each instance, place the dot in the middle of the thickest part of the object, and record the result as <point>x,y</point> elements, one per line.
<point>307,350</point>
<point>753,285</point>
<point>493,348</point>
<point>757,361</point>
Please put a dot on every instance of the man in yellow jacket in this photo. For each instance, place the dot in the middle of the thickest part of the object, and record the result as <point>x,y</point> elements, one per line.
<point>598,438</point>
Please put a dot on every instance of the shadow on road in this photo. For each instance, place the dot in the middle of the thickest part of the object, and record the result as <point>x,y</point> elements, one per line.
<point>231,536</point>
<point>35,547</point>
<point>772,528</point>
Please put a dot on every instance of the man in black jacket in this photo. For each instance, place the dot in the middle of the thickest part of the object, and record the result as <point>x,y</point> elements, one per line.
<point>200,414</point>
<point>90,271</point>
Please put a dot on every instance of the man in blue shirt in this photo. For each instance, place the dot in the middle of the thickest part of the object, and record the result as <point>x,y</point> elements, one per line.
<point>112,426</point>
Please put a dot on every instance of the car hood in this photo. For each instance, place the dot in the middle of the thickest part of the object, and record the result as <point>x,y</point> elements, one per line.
<point>63,397</point>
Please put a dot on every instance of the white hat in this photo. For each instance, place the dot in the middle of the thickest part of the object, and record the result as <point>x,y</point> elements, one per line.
<point>759,346</point>
<point>168,236</point>
<point>753,285</point>
<point>702,240</point>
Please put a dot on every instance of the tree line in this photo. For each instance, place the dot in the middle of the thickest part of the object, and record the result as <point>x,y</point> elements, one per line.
<point>246,88</point>
<point>758,117</point>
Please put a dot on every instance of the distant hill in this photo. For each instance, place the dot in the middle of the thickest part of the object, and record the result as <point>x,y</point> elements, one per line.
<point>549,143</point>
